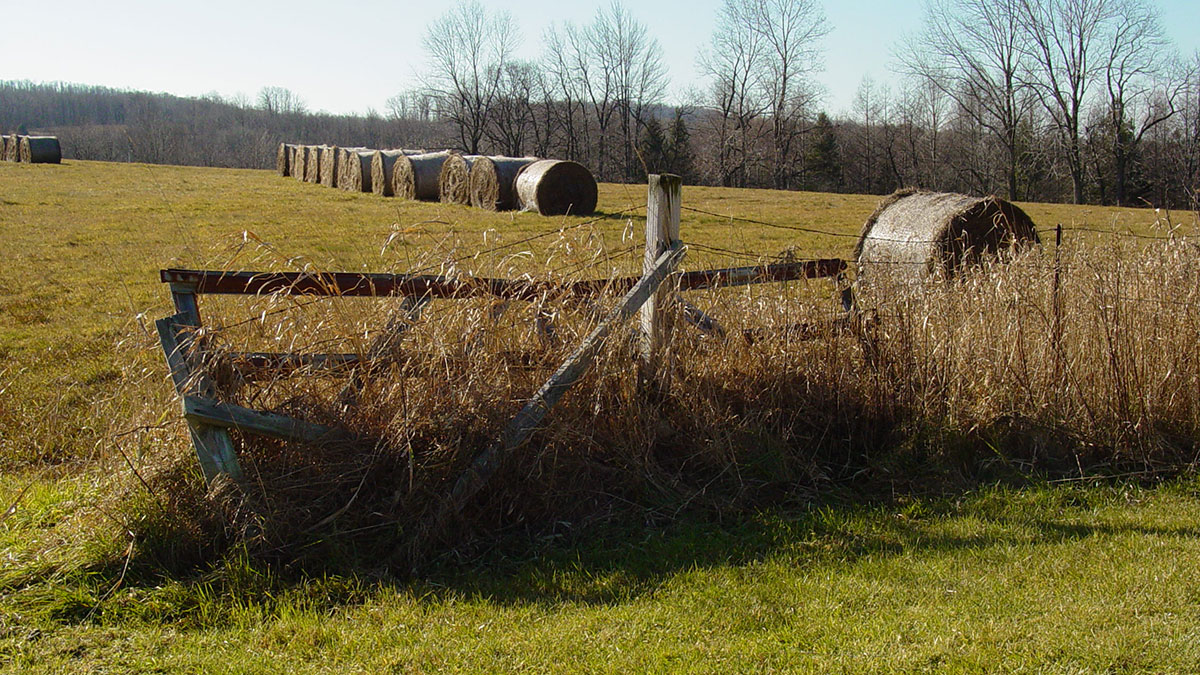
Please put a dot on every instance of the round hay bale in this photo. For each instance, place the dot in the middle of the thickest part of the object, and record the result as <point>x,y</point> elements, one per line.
<point>300,165</point>
<point>357,173</point>
<point>454,180</point>
<point>929,232</point>
<point>416,176</point>
<point>343,169</point>
<point>41,150</point>
<point>13,154</point>
<point>283,159</point>
<point>382,164</point>
<point>3,146</point>
<point>312,170</point>
<point>491,181</point>
<point>554,187</point>
<point>330,165</point>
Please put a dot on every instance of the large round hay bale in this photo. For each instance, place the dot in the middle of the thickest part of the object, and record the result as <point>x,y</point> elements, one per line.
<point>919,231</point>
<point>13,154</point>
<point>312,170</point>
<point>382,164</point>
<point>357,173</point>
<point>300,163</point>
<point>554,187</point>
<point>454,180</point>
<point>283,159</point>
<point>3,146</point>
<point>416,176</point>
<point>41,150</point>
<point>330,165</point>
<point>491,181</point>
<point>343,169</point>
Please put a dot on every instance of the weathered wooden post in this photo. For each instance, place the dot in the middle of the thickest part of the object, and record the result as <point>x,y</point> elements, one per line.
<point>214,447</point>
<point>662,234</point>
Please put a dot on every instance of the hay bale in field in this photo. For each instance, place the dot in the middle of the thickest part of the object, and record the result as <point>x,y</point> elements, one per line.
<point>343,169</point>
<point>13,153</point>
<point>491,181</point>
<point>41,150</point>
<point>312,170</point>
<point>283,159</point>
<point>3,146</point>
<point>357,174</point>
<point>416,176</point>
<point>554,187</point>
<point>300,162</point>
<point>330,165</point>
<point>382,164</point>
<point>919,231</point>
<point>454,180</point>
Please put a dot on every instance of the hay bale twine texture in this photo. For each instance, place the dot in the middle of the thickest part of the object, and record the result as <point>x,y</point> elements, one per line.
<point>357,174</point>
<point>491,181</point>
<point>300,162</point>
<point>454,180</point>
<point>283,159</point>
<point>41,150</point>
<point>554,187</point>
<point>343,170</point>
<point>13,153</point>
<point>382,164</point>
<point>312,170</point>
<point>914,231</point>
<point>330,165</point>
<point>416,176</point>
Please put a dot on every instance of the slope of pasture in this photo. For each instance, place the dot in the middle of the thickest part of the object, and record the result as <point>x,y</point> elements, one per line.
<point>1081,579</point>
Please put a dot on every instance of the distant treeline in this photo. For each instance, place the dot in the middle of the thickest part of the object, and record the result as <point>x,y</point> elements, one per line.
<point>126,126</point>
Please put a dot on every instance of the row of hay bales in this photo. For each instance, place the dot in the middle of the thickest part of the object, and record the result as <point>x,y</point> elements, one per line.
<point>30,149</point>
<point>548,186</point>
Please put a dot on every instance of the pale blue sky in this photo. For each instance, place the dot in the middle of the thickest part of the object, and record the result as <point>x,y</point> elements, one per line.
<point>352,55</point>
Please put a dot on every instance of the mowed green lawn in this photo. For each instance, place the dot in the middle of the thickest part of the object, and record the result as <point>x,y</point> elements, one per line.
<point>1057,578</point>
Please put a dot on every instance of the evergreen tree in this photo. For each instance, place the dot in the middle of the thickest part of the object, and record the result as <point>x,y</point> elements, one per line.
<point>652,147</point>
<point>680,160</point>
<point>822,160</point>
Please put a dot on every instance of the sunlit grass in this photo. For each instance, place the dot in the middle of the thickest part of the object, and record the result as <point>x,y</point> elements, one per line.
<point>1061,579</point>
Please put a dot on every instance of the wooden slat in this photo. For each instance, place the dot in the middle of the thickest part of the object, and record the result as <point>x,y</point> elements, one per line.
<point>214,447</point>
<point>228,416</point>
<point>354,284</point>
<point>761,274</point>
<point>167,338</point>
<point>532,414</point>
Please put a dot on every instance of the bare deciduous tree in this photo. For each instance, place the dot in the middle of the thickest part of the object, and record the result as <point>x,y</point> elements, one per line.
<point>280,101</point>
<point>467,50</point>
<point>970,51</point>
<point>1064,40</point>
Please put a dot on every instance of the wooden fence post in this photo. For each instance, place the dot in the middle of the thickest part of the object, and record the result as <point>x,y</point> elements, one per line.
<point>214,446</point>
<point>662,234</point>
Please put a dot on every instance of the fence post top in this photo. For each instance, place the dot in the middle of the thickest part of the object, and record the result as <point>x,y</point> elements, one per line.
<point>665,180</point>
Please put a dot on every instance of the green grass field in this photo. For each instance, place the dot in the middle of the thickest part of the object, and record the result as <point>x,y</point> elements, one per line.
<point>1095,577</point>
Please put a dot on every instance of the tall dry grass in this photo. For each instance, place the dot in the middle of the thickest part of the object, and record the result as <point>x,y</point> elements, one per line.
<point>979,375</point>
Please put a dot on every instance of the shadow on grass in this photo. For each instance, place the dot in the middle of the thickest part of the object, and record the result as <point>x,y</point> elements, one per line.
<point>616,563</point>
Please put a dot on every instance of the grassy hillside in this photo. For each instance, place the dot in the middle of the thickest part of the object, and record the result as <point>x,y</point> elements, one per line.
<point>1052,577</point>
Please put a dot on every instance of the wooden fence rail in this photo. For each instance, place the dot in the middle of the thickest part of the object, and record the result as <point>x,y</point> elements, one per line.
<point>652,294</point>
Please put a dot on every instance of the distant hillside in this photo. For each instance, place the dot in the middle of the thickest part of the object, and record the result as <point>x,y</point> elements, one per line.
<point>114,125</point>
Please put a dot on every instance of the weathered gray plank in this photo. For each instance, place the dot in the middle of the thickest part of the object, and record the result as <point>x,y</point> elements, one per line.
<point>169,341</point>
<point>229,416</point>
<point>214,447</point>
